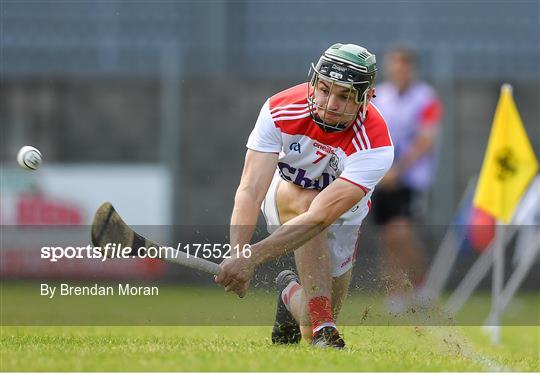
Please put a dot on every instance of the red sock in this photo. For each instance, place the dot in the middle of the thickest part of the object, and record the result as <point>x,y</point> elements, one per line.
<point>320,312</point>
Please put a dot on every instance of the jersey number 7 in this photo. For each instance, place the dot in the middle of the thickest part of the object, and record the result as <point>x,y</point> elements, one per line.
<point>321,156</point>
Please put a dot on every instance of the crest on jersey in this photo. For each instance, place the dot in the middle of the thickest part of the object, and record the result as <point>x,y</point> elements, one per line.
<point>295,146</point>
<point>334,161</point>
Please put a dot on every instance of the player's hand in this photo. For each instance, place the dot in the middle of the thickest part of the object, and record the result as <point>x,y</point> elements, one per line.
<point>236,274</point>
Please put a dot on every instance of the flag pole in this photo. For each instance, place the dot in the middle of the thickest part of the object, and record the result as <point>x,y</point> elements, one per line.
<point>509,165</point>
<point>497,282</point>
<point>498,266</point>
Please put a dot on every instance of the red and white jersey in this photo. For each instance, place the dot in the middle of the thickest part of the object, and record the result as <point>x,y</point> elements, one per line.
<point>312,158</point>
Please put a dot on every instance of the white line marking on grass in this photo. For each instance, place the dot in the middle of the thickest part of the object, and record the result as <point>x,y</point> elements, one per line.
<point>466,350</point>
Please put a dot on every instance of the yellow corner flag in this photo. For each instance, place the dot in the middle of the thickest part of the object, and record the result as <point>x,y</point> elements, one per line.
<point>509,163</point>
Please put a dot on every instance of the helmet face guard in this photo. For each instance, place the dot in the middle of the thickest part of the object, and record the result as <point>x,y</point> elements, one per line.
<point>338,73</point>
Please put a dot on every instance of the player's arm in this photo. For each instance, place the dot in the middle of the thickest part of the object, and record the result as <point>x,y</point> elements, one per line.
<point>326,208</point>
<point>257,175</point>
<point>422,144</point>
<point>330,204</point>
<point>425,137</point>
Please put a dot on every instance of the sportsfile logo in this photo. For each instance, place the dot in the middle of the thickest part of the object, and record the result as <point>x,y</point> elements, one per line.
<point>118,251</point>
<point>109,251</point>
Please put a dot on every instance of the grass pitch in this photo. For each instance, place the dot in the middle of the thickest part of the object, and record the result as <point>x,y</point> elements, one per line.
<point>248,348</point>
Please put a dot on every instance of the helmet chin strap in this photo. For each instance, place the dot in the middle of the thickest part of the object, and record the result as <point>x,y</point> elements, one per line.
<point>363,111</point>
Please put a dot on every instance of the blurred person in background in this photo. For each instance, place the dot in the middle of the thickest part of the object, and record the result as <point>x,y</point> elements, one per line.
<point>413,113</point>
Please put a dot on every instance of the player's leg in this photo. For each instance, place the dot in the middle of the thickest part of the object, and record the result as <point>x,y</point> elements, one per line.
<point>402,255</point>
<point>311,305</point>
<point>298,302</point>
<point>313,266</point>
<point>340,290</point>
<point>312,263</point>
<point>292,201</point>
<point>314,282</point>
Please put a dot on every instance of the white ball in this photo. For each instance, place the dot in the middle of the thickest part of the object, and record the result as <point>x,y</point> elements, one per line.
<point>29,157</point>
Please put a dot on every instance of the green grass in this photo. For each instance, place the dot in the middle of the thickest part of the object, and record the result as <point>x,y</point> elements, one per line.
<point>248,349</point>
<point>371,345</point>
<point>197,306</point>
